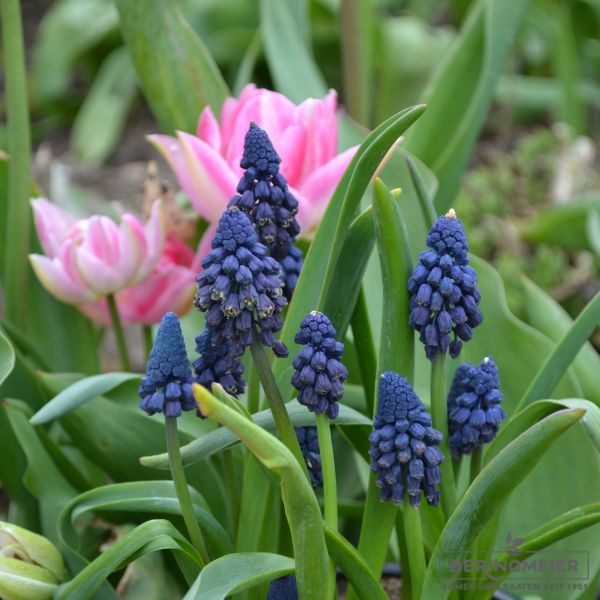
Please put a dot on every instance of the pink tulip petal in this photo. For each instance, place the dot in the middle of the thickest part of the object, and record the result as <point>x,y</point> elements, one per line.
<point>229,112</point>
<point>291,160</point>
<point>213,181</point>
<point>59,275</point>
<point>319,188</point>
<point>153,234</point>
<point>208,129</point>
<point>51,223</point>
<point>97,311</point>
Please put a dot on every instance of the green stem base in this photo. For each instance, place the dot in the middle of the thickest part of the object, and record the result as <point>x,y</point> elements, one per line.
<point>118,329</point>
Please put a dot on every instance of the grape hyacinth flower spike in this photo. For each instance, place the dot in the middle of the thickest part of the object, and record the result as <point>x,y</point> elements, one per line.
<point>212,366</point>
<point>445,298</point>
<point>309,445</point>
<point>474,411</point>
<point>240,288</point>
<point>167,386</point>
<point>283,588</point>
<point>319,375</point>
<point>404,446</point>
<point>264,196</point>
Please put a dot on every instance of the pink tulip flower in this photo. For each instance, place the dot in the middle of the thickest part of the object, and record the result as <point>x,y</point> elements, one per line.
<point>90,258</point>
<point>305,136</point>
<point>169,287</point>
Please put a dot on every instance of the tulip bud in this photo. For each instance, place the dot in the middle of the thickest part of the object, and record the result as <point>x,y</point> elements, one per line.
<point>31,567</point>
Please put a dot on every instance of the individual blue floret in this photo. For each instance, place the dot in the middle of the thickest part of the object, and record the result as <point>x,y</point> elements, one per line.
<point>474,411</point>
<point>404,446</point>
<point>264,196</point>
<point>240,288</point>
<point>283,588</point>
<point>309,445</point>
<point>166,387</point>
<point>444,294</point>
<point>291,265</point>
<point>319,374</point>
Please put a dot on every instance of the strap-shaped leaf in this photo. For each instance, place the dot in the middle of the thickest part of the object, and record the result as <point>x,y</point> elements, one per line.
<point>487,493</point>
<point>7,358</point>
<point>238,572</point>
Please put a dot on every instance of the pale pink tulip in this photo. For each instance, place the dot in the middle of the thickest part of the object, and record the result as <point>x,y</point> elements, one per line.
<point>90,258</point>
<point>169,287</point>
<point>305,136</point>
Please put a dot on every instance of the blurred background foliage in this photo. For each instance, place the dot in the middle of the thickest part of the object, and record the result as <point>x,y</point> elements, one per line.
<point>534,168</point>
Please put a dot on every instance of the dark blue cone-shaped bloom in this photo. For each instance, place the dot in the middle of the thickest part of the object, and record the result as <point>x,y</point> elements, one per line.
<point>167,386</point>
<point>264,195</point>
<point>474,411</point>
<point>283,588</point>
<point>291,266</point>
<point>240,288</point>
<point>319,374</point>
<point>404,446</point>
<point>445,298</point>
<point>309,444</point>
<point>212,366</point>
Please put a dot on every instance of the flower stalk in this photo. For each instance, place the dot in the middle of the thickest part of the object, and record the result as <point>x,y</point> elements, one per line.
<point>119,335</point>
<point>181,488</point>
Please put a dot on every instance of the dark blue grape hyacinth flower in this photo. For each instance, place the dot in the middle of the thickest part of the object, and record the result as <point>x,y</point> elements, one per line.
<point>212,366</point>
<point>240,288</point>
<point>291,265</point>
<point>264,196</point>
<point>404,446</point>
<point>445,298</point>
<point>474,411</point>
<point>167,386</point>
<point>309,445</point>
<point>284,588</point>
<point>319,375</point>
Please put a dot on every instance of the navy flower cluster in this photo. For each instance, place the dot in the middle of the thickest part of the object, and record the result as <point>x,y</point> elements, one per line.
<point>474,411</point>
<point>291,265</point>
<point>445,298</point>
<point>214,365</point>
<point>264,196</point>
<point>309,445</point>
<point>167,386</point>
<point>284,588</point>
<point>240,289</point>
<point>404,446</point>
<point>319,374</point>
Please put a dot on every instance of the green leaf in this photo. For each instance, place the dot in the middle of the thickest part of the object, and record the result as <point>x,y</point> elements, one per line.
<point>150,536</point>
<point>42,477</point>
<point>220,439</point>
<point>324,255</point>
<point>348,276</point>
<point>564,353</point>
<point>461,92</point>
<point>139,498</point>
<point>301,507</point>
<point>175,70</point>
<point>101,118</point>
<point>292,67</point>
<point>20,580</point>
<point>353,566</point>
<point>592,226</point>
<point>79,393</point>
<point>7,358</point>
<point>238,572</point>
<point>61,40</point>
<point>565,224</point>
<point>490,489</point>
<point>549,317</point>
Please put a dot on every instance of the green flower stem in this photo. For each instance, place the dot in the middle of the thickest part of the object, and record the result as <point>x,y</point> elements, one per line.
<point>181,488</point>
<point>329,486</point>
<point>285,430</point>
<point>118,328</point>
<point>476,462</point>
<point>404,561</point>
<point>253,390</point>
<point>365,348</point>
<point>148,341</point>
<point>413,534</point>
<point>439,413</point>
<point>14,240</point>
